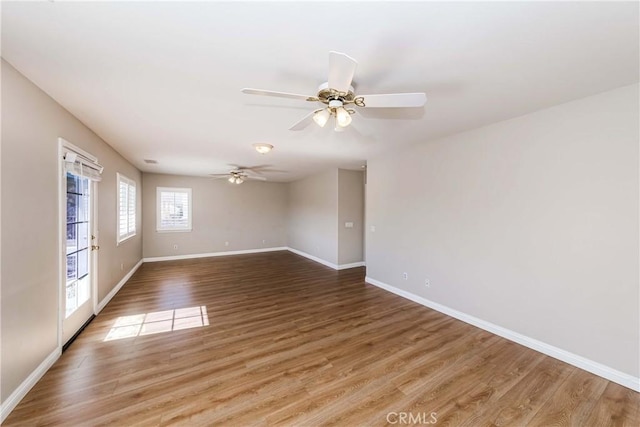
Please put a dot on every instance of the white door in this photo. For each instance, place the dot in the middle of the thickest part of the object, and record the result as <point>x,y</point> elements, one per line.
<point>79,177</point>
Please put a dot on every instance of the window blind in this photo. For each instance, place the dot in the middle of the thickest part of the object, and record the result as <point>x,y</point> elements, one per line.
<point>126,208</point>
<point>174,209</point>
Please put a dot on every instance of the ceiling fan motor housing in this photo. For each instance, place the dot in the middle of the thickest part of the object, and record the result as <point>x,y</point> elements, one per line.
<point>327,94</point>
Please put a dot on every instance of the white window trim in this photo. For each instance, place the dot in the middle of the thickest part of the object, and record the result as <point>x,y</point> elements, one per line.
<point>122,238</point>
<point>158,208</point>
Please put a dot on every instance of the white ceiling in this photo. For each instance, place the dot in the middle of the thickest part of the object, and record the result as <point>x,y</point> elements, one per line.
<point>162,80</point>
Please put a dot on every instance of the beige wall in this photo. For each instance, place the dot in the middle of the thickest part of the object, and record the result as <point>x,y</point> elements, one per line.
<point>319,205</point>
<point>312,225</point>
<point>248,216</point>
<point>350,209</point>
<point>304,215</point>
<point>31,125</point>
<point>530,224</point>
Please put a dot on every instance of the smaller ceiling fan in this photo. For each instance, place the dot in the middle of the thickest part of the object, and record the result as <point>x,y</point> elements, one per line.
<point>238,176</point>
<point>338,93</point>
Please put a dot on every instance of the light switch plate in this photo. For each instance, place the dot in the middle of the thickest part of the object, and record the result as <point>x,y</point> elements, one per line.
<point>348,225</point>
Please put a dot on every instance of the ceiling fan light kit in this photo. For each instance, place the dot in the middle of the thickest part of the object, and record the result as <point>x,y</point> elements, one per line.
<point>236,179</point>
<point>321,117</point>
<point>338,92</point>
<point>240,174</point>
<point>343,118</point>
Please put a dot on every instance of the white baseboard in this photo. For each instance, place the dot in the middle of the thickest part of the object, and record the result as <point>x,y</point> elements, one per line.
<point>324,262</point>
<point>19,393</point>
<point>212,254</point>
<point>352,265</point>
<point>314,258</point>
<point>115,290</point>
<point>573,359</point>
<point>255,251</point>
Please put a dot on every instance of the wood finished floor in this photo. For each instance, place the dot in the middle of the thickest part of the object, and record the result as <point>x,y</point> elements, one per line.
<point>291,342</point>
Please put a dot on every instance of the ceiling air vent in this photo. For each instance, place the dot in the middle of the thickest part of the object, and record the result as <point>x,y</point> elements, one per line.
<point>151,161</point>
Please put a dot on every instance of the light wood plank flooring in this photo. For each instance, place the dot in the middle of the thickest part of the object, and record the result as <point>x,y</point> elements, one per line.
<point>291,342</point>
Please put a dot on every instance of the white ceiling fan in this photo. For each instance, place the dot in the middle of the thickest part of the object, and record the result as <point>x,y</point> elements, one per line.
<point>238,175</point>
<point>338,93</point>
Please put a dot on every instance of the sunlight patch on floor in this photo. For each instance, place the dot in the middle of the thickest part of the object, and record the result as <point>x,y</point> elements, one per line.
<point>158,322</point>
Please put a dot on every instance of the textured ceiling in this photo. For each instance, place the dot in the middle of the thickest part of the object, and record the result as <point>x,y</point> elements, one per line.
<point>162,80</point>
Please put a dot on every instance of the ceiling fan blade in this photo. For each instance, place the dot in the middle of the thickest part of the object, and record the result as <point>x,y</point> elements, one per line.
<point>304,122</point>
<point>250,168</point>
<point>257,178</point>
<point>254,172</point>
<point>394,100</point>
<point>250,91</point>
<point>219,175</point>
<point>269,170</point>
<point>237,167</point>
<point>341,70</point>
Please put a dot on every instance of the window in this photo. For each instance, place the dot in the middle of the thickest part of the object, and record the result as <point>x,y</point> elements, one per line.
<point>126,208</point>
<point>174,209</point>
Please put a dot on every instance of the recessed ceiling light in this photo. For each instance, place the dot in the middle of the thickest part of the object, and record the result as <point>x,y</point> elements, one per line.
<point>263,148</point>
<point>151,161</point>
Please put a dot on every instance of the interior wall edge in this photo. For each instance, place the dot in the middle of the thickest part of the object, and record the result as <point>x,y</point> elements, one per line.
<point>578,361</point>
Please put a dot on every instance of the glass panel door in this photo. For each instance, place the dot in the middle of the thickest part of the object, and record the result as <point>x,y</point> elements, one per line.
<point>78,287</point>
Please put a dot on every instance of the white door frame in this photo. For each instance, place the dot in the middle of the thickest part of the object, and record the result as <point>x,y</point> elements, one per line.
<point>64,145</point>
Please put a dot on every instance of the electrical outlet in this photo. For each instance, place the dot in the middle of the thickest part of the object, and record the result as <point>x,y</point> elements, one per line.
<point>226,243</point>
<point>175,246</point>
<point>264,242</point>
<point>121,266</point>
<point>427,283</point>
<point>405,276</point>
